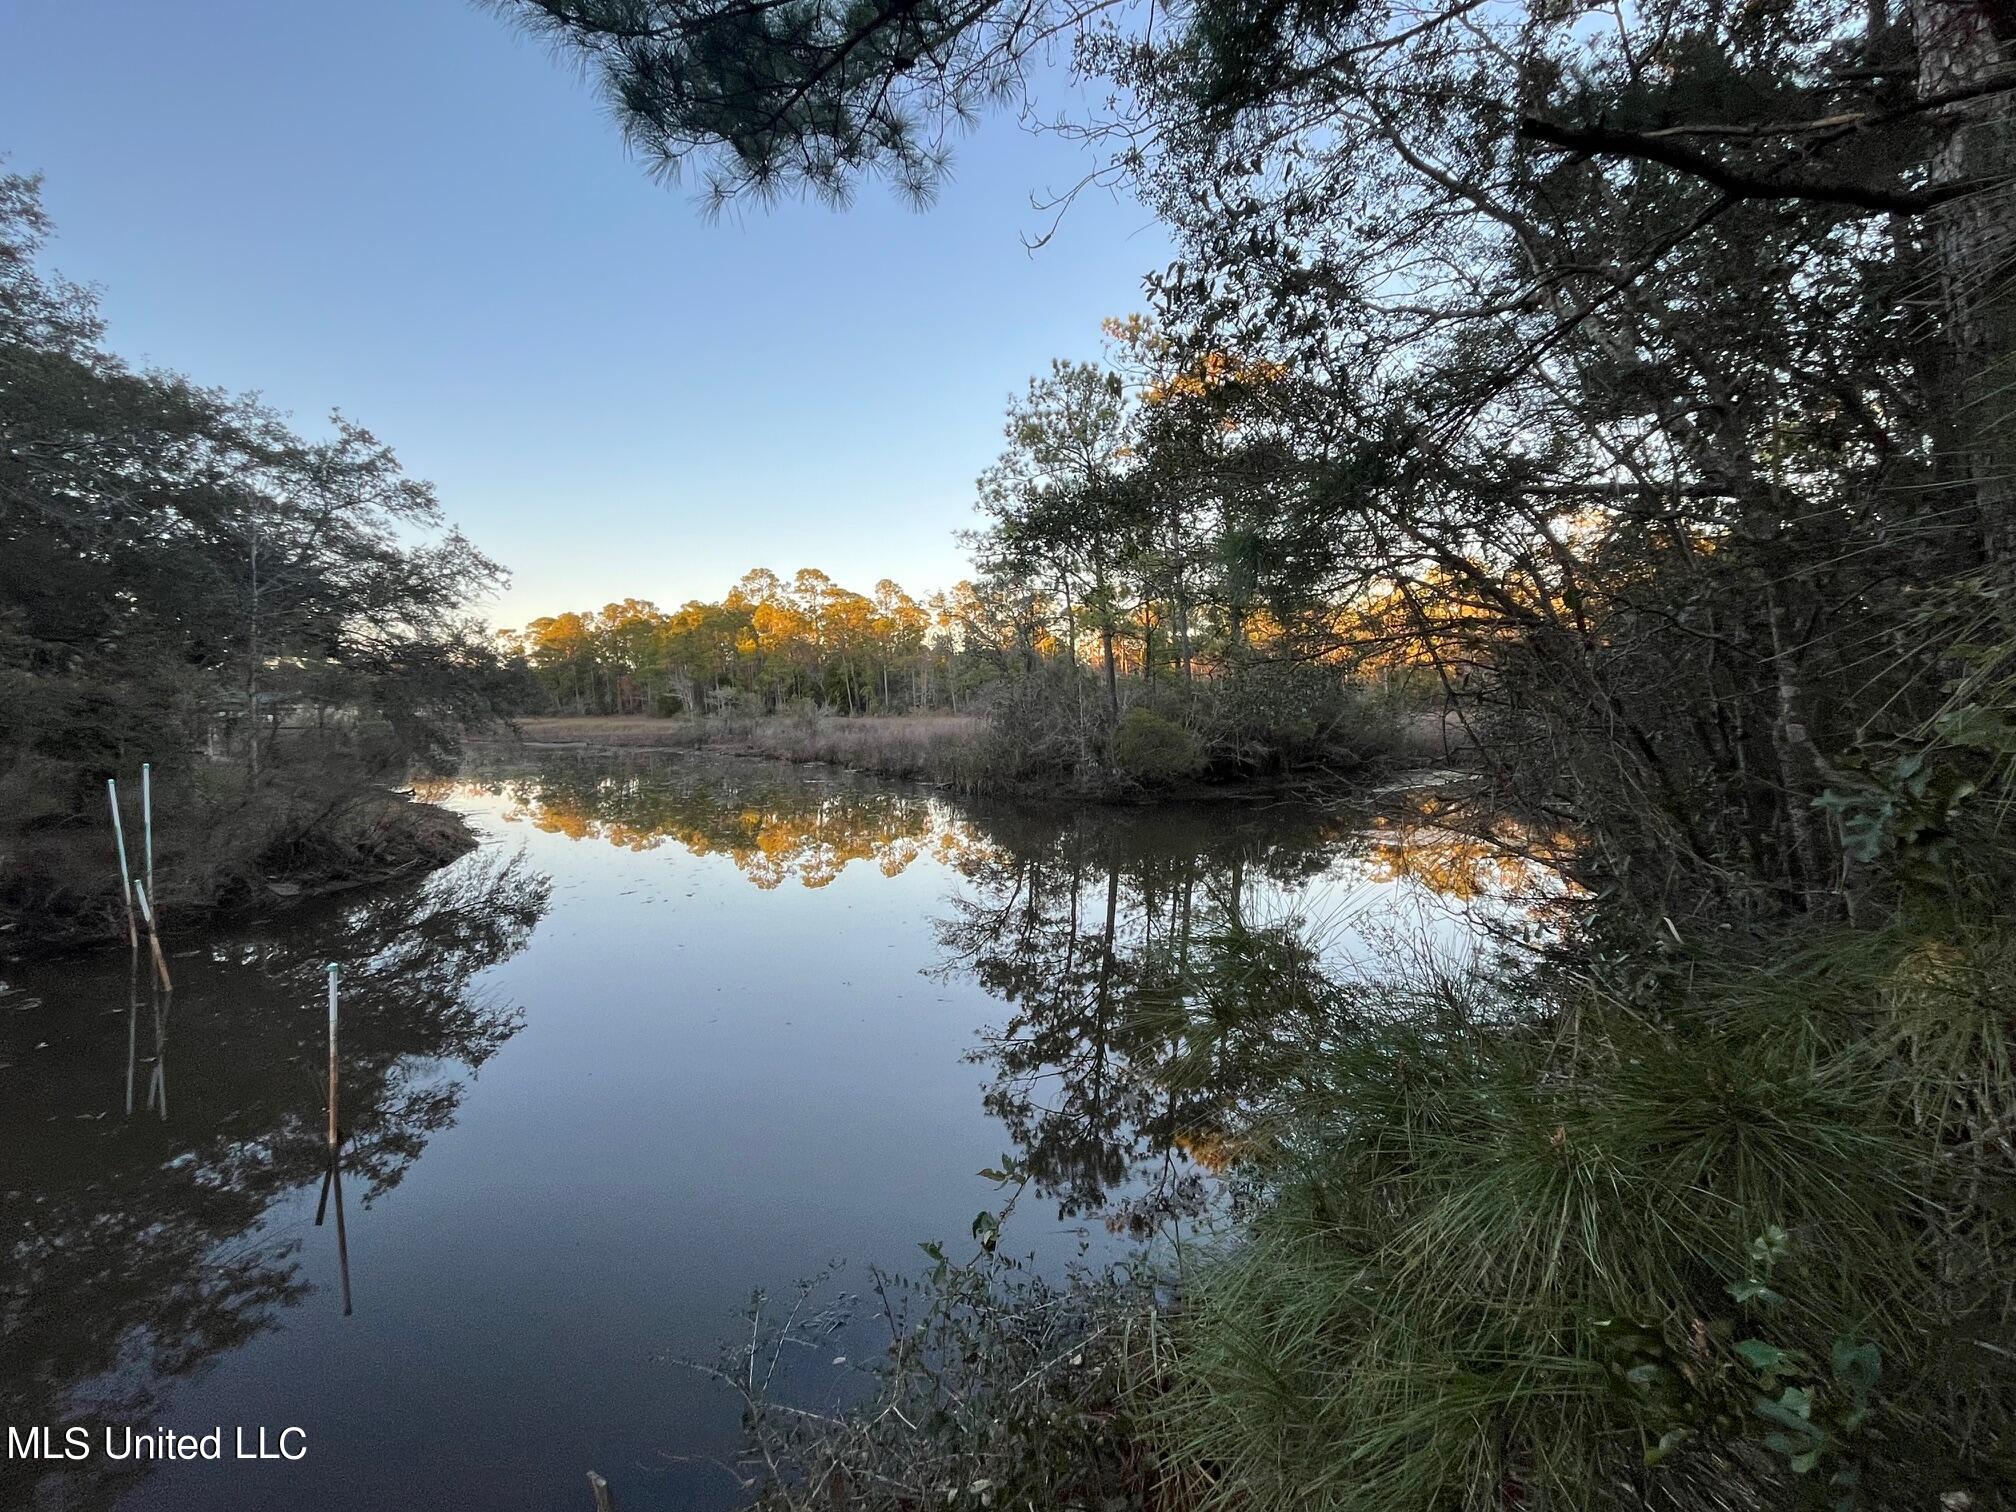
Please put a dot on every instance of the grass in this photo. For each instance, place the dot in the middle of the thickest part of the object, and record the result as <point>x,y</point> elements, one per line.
<point>1594,1254</point>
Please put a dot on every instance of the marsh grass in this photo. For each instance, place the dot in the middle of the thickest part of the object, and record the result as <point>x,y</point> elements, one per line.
<point>940,748</point>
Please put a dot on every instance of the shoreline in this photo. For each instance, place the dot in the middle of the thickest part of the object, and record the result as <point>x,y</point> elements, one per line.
<point>941,751</point>
<point>383,838</point>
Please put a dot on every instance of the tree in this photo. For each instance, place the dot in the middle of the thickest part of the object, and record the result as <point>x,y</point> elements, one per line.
<point>767,640</point>
<point>1058,509</point>
<point>780,95</point>
<point>169,553</point>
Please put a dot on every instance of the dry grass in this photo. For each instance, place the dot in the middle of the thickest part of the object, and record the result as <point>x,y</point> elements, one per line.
<point>930,747</point>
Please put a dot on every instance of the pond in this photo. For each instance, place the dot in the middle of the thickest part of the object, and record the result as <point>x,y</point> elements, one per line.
<point>681,1028</point>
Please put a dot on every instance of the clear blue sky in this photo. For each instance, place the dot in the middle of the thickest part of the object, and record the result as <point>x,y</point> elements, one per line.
<point>409,210</point>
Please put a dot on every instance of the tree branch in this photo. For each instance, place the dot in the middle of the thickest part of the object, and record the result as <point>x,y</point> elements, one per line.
<point>1738,183</point>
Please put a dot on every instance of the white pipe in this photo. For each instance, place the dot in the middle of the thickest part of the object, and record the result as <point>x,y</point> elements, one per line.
<point>125,876</point>
<point>147,817</point>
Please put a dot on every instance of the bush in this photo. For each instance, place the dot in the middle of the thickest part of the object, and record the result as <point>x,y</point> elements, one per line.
<point>999,1390</point>
<point>1275,717</point>
<point>1153,749</point>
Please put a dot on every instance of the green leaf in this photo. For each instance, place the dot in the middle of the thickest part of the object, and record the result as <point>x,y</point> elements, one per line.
<point>1753,1290</point>
<point>1793,1409</point>
<point>1979,728</point>
<point>1857,1364</point>
<point>1761,1356</point>
<point>987,1229</point>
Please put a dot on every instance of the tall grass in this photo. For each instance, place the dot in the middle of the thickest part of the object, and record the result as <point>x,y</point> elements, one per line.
<point>1576,1251</point>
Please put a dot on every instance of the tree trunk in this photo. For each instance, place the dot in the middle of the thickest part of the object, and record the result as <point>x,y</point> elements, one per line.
<point>1112,673</point>
<point>1960,47</point>
<point>1796,767</point>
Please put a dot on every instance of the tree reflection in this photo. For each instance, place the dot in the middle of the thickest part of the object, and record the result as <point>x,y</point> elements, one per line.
<point>1468,856</point>
<point>1154,962</point>
<point>137,1247</point>
<point>1117,940</point>
<point>1163,968</point>
<point>773,824</point>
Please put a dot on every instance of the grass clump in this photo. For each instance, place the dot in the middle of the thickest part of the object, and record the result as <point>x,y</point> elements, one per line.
<point>1722,1243</point>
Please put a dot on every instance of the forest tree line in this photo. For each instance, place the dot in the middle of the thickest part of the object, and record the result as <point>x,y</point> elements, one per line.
<point>770,644</point>
<point>767,644</point>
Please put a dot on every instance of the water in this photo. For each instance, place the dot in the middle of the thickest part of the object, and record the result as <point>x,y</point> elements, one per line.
<point>683,1027</point>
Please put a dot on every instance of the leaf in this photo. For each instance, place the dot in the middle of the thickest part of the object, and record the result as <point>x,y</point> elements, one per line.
<point>1771,1246</point>
<point>1761,1356</point>
<point>1857,1364</point>
<point>1793,1409</point>
<point>1979,728</point>
<point>1753,1290</point>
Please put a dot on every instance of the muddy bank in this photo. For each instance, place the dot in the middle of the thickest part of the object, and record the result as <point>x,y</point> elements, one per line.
<point>218,860</point>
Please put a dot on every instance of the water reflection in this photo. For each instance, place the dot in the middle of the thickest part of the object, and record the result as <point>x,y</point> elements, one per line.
<point>1163,969</point>
<point>773,824</point>
<point>157,1063</point>
<point>749,1002</point>
<point>136,1250</point>
<point>1134,950</point>
<point>1093,930</point>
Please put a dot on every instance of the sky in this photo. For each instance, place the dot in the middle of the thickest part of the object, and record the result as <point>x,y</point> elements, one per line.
<point>410,211</point>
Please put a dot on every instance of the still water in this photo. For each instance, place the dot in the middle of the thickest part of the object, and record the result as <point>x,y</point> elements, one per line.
<point>683,1027</point>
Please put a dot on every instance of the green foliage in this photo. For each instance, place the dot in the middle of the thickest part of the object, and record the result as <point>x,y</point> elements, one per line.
<point>1701,1243</point>
<point>1811,1416</point>
<point>1153,749</point>
<point>794,95</point>
<point>179,568</point>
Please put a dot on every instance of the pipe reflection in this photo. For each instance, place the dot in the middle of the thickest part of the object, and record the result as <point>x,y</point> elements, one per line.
<point>146,1252</point>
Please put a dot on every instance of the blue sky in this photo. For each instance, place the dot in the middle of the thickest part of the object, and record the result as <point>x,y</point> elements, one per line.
<point>406,209</point>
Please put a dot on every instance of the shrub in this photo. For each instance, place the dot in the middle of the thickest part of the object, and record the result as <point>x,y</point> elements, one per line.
<point>998,1390</point>
<point>1274,717</point>
<point>1153,749</point>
